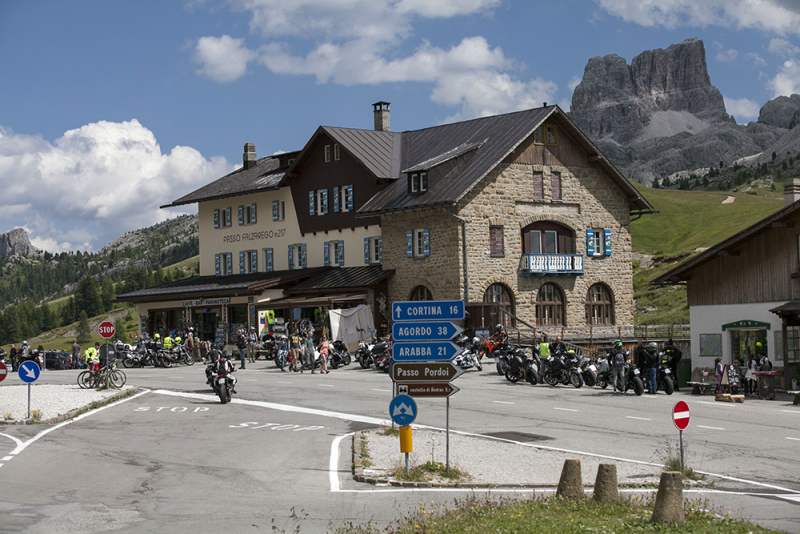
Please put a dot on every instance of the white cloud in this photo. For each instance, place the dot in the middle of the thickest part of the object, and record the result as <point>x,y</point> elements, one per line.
<point>782,47</point>
<point>757,60</point>
<point>223,59</point>
<point>787,81</point>
<point>742,108</point>
<point>767,15</point>
<point>726,56</point>
<point>574,82</point>
<point>95,182</point>
<point>565,104</point>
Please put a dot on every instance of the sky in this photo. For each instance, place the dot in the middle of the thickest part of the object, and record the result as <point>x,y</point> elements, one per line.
<point>110,109</point>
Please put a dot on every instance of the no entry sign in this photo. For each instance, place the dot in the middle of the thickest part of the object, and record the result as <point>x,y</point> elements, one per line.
<point>3,371</point>
<point>680,415</point>
<point>107,329</point>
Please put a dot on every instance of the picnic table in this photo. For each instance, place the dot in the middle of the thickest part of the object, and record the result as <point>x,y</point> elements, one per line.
<point>702,388</point>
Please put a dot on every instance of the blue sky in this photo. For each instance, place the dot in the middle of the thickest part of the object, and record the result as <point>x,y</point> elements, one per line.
<point>110,109</point>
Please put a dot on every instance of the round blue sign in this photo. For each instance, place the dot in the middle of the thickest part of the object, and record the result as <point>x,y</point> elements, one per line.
<point>29,371</point>
<point>403,410</point>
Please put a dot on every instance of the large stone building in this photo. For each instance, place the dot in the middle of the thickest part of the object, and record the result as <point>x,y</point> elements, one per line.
<point>518,212</point>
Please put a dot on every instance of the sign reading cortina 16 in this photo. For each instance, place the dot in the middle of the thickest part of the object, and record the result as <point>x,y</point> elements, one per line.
<point>428,310</point>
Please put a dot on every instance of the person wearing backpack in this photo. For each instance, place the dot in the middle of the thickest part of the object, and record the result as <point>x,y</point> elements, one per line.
<point>617,361</point>
<point>675,355</point>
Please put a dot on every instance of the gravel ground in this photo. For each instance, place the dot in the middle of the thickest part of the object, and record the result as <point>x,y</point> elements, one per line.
<point>53,400</point>
<point>493,462</point>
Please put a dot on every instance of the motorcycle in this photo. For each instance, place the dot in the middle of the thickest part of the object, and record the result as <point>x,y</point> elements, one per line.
<point>588,370</point>
<point>664,378</point>
<point>225,382</point>
<point>268,347</point>
<point>632,376</point>
<point>522,366</point>
<point>468,357</point>
<point>368,352</point>
<point>339,355</point>
<point>563,369</point>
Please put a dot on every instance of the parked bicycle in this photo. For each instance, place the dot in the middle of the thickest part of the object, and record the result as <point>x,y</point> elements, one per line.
<point>108,374</point>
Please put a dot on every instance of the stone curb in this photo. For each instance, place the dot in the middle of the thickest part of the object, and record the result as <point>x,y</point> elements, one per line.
<point>121,394</point>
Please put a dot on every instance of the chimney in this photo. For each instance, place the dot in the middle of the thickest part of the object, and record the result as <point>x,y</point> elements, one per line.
<point>249,158</point>
<point>791,191</point>
<point>381,112</point>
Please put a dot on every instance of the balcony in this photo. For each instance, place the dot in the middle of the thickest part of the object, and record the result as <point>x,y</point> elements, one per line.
<point>553,264</point>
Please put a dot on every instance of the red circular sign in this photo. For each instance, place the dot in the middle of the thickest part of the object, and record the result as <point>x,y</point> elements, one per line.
<point>680,415</point>
<point>3,371</point>
<point>107,329</point>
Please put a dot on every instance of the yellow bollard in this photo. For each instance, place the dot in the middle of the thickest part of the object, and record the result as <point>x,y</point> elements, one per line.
<point>406,445</point>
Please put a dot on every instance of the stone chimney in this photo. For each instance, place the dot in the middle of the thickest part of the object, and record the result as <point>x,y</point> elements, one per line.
<point>791,191</point>
<point>381,111</point>
<point>249,158</point>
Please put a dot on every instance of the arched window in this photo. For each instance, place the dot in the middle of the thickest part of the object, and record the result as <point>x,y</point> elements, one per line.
<point>547,237</point>
<point>421,293</point>
<point>500,296</point>
<point>599,305</point>
<point>550,306</point>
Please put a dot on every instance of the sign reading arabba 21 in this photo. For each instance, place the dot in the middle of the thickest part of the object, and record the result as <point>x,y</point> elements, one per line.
<point>432,310</point>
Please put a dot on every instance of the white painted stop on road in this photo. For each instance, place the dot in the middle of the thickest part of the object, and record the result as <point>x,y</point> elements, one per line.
<point>107,329</point>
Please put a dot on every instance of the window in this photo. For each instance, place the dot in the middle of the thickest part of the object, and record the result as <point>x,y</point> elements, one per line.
<point>546,237</point>
<point>247,214</point>
<point>496,241</point>
<point>538,186</point>
<point>500,296</point>
<point>537,136</point>
<point>291,162</point>
<point>225,218</point>
<point>419,182</point>
<point>551,134</point>
<point>550,306</point>
<point>420,293</point>
<point>297,256</point>
<point>248,261</point>
<point>336,152</point>
<point>343,198</point>
<point>555,183</point>
<point>418,242</point>
<point>334,253</point>
<point>599,306</point>
<point>268,260</point>
<point>322,202</point>
<point>372,249</point>
<point>598,242</point>
<point>223,264</point>
<point>327,153</point>
<point>278,210</point>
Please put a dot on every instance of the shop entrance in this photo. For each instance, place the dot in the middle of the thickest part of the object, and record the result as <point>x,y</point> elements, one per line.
<point>746,344</point>
<point>205,324</point>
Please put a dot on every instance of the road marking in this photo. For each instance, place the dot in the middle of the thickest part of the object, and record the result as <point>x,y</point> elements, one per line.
<point>325,385</point>
<point>284,382</point>
<point>793,439</point>
<point>7,458</point>
<point>710,427</point>
<point>718,403</point>
<point>382,390</point>
<point>637,418</point>
<point>791,411</point>
<point>503,402</point>
<point>565,409</point>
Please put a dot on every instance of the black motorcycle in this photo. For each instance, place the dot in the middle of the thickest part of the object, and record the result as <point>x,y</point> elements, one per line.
<point>339,355</point>
<point>563,368</point>
<point>520,365</point>
<point>588,371</point>
<point>219,378</point>
<point>664,378</point>
<point>633,379</point>
<point>368,353</point>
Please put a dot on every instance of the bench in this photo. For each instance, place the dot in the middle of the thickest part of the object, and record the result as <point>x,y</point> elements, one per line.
<point>702,388</point>
<point>796,396</point>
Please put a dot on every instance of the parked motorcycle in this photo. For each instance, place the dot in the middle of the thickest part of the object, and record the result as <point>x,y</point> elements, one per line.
<point>664,378</point>
<point>368,352</point>
<point>521,365</point>
<point>468,357</point>
<point>563,368</point>
<point>339,355</point>
<point>588,371</point>
<point>633,379</point>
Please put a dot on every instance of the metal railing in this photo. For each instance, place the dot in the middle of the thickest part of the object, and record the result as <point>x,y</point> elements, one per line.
<point>551,264</point>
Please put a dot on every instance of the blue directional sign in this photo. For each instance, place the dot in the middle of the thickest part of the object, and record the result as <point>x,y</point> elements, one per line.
<point>425,331</point>
<point>435,351</point>
<point>403,410</point>
<point>428,310</point>
<point>29,371</point>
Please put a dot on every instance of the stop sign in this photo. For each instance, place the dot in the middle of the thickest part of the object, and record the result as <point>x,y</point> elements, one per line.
<point>107,329</point>
<point>680,415</point>
<point>3,371</point>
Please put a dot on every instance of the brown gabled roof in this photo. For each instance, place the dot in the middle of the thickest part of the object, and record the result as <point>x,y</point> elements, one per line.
<point>341,279</point>
<point>266,174</point>
<point>484,143</point>
<point>678,273</point>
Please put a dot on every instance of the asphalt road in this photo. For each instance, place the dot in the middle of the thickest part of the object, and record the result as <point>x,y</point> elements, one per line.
<point>173,459</point>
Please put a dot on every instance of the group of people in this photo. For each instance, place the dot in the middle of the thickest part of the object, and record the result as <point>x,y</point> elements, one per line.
<point>740,376</point>
<point>303,352</point>
<point>19,356</point>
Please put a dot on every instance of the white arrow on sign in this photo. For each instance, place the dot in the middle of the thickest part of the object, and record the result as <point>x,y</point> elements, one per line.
<point>398,310</point>
<point>29,371</point>
<point>403,409</point>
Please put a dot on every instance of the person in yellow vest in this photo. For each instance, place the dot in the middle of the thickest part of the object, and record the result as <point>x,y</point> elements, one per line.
<point>92,357</point>
<point>167,343</point>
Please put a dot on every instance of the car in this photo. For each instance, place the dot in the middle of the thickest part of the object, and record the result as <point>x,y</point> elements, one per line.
<point>57,359</point>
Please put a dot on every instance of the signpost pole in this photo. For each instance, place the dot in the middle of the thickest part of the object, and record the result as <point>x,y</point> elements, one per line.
<point>683,469</point>
<point>29,401</point>
<point>107,365</point>
<point>447,446</point>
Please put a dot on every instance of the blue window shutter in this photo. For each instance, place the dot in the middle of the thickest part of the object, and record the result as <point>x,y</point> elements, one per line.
<point>324,201</point>
<point>380,249</point>
<point>241,262</point>
<point>254,261</point>
<point>608,242</point>
<point>366,250</point>
<point>303,256</point>
<point>426,242</point>
<point>230,263</point>
<point>228,217</point>
<point>590,242</point>
<point>241,215</point>
<point>341,252</point>
<point>336,200</point>
<point>216,218</point>
<point>311,203</point>
<point>216,263</point>
<point>410,243</point>
<point>349,198</point>
<point>274,210</point>
<point>291,257</point>
<point>253,213</point>
<point>327,253</point>
<point>269,260</point>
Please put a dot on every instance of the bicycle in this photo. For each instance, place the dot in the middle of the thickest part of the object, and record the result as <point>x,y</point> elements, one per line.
<point>105,375</point>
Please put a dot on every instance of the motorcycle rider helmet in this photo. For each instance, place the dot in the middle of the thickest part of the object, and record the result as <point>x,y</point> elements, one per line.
<point>652,346</point>
<point>617,343</point>
<point>498,328</point>
<point>157,336</point>
<point>24,343</point>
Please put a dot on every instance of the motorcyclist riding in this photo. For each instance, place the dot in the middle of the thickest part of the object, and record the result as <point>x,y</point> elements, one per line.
<point>500,336</point>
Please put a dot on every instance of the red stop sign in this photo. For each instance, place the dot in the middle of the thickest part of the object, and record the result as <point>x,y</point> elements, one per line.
<point>680,415</point>
<point>107,329</point>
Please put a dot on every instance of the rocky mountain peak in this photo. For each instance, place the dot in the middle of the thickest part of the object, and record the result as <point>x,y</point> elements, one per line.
<point>15,242</point>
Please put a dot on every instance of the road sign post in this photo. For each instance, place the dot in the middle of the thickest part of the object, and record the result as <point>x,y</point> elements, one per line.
<point>680,417</point>
<point>107,331</point>
<point>29,372</point>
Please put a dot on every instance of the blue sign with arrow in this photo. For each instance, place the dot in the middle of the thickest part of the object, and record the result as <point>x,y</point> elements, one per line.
<point>403,410</point>
<point>29,371</point>
<point>425,331</point>
<point>428,310</point>
<point>435,351</point>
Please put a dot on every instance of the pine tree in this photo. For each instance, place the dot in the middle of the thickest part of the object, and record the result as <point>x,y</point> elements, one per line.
<point>83,328</point>
<point>87,297</point>
<point>107,293</point>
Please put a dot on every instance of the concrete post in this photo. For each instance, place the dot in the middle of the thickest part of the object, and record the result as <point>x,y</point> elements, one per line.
<point>669,499</point>
<point>571,484</point>
<point>605,486</point>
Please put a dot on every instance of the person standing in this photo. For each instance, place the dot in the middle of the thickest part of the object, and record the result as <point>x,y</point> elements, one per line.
<point>558,347</point>
<point>93,357</point>
<point>13,354</point>
<point>308,352</point>
<point>76,354</point>
<point>324,350</point>
<point>24,353</point>
<point>718,370</point>
<point>252,341</point>
<point>617,360</point>
<point>651,366</point>
<point>241,343</point>
<point>294,346</point>
<point>283,349</point>
<point>750,378</point>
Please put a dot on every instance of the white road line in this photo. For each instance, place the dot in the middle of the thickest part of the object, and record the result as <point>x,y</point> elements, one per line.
<point>333,465</point>
<point>710,427</point>
<point>791,411</point>
<point>503,402</point>
<point>637,418</point>
<point>718,403</point>
<point>7,458</point>
<point>325,385</point>
<point>565,409</point>
<point>284,382</point>
<point>15,440</point>
<point>382,390</point>
<point>793,439</point>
